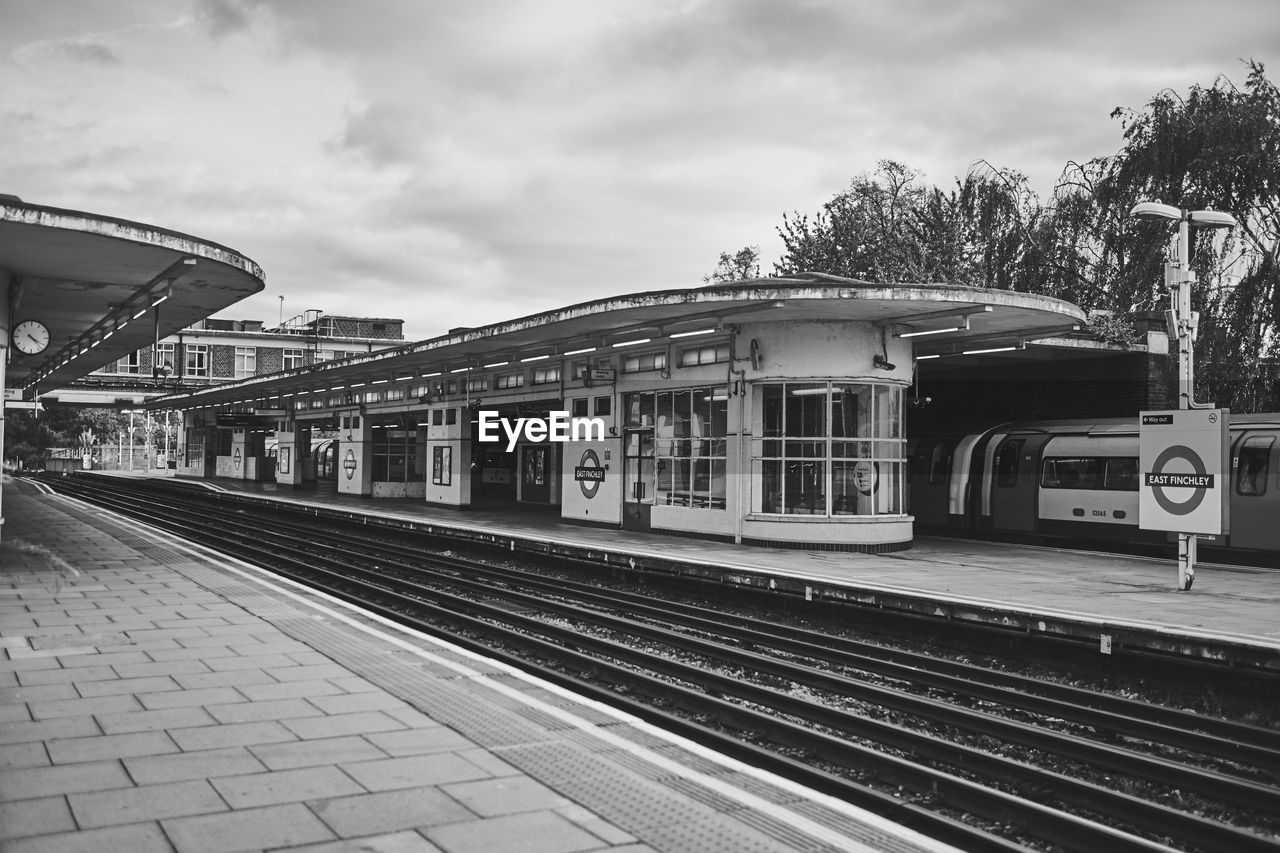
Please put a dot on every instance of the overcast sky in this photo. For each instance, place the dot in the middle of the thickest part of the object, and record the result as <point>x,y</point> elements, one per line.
<point>463,163</point>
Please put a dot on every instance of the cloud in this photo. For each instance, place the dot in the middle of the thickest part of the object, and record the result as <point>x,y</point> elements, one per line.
<point>222,17</point>
<point>459,163</point>
<point>92,52</point>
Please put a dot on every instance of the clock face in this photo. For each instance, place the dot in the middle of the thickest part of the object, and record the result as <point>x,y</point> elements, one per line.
<point>31,336</point>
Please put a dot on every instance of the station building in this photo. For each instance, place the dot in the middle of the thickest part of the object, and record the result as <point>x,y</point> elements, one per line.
<point>212,351</point>
<point>769,411</point>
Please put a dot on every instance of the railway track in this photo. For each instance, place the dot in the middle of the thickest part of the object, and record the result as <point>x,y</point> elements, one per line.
<point>979,758</point>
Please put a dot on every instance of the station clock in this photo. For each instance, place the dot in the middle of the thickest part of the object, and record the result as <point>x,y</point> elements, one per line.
<point>31,337</point>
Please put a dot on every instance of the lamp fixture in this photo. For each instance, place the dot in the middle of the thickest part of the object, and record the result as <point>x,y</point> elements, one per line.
<point>495,364</point>
<point>992,349</point>
<point>534,358</point>
<point>691,334</point>
<point>882,363</point>
<point>632,343</point>
<point>930,332</point>
<point>580,351</point>
<point>923,357</point>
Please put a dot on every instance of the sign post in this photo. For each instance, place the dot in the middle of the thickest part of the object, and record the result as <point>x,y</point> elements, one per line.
<point>1182,455</point>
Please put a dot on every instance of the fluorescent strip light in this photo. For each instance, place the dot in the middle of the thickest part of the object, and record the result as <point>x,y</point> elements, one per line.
<point>632,343</point>
<point>534,358</point>
<point>337,387</point>
<point>691,334</point>
<point>429,375</point>
<point>381,381</point>
<point>929,332</point>
<point>140,313</point>
<point>981,351</point>
<point>807,392</point>
<point>159,300</point>
<point>923,357</point>
<point>357,384</point>
<point>495,364</point>
<point>580,351</point>
<point>121,325</point>
<point>108,334</point>
<point>460,370</point>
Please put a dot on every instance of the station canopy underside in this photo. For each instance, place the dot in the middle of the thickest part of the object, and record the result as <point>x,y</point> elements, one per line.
<point>955,318</point>
<point>100,285</point>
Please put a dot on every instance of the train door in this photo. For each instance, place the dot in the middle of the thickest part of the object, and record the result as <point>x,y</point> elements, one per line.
<point>930,477</point>
<point>1255,493</point>
<point>1014,480</point>
<point>535,473</point>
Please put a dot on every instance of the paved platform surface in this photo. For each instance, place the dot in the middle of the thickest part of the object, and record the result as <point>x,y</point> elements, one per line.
<point>157,697</point>
<point>1232,605</point>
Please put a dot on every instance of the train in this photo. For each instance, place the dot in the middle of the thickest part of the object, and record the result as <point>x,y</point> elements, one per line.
<point>1078,480</point>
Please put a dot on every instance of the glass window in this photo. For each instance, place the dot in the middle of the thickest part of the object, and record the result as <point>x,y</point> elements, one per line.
<point>164,359</point>
<point>197,356</point>
<point>478,383</point>
<point>293,358</point>
<point>1252,465</point>
<point>394,454</point>
<point>687,444</point>
<point>546,375</point>
<point>1008,457</point>
<point>509,380</point>
<point>580,407</point>
<point>246,362</point>
<point>1120,474</point>
<point>131,363</point>
<point>1106,473</point>
<point>704,354</point>
<point>830,449</point>
<point>644,361</point>
<point>1065,472</point>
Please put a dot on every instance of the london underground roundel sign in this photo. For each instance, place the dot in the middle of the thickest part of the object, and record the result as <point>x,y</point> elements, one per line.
<point>1182,457</point>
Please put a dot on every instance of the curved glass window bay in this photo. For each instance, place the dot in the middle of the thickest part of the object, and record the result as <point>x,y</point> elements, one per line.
<point>828,449</point>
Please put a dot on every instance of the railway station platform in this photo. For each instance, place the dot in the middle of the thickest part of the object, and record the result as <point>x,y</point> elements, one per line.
<point>1112,602</point>
<point>156,696</point>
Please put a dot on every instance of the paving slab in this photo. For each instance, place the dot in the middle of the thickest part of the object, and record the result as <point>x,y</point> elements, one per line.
<point>208,708</point>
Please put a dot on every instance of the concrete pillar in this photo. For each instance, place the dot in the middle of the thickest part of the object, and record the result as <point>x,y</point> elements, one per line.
<point>355,462</point>
<point>290,442</point>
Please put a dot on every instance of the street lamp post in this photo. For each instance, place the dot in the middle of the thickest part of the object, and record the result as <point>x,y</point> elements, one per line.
<point>1182,323</point>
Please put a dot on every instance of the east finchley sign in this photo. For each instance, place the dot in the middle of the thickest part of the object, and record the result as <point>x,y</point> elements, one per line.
<point>1182,455</point>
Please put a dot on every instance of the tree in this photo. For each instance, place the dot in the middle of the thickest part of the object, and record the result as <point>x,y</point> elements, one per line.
<point>1216,148</point>
<point>743,264</point>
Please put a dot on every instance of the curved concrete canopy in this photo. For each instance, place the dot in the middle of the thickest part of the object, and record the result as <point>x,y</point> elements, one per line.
<point>85,277</point>
<point>994,316</point>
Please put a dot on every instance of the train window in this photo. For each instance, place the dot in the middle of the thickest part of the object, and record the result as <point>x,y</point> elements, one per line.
<point>1071,472</point>
<point>1008,457</point>
<point>940,462</point>
<point>1120,474</point>
<point>1252,465</point>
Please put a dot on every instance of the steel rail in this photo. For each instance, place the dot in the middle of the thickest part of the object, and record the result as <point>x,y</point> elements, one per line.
<point>731,685</point>
<point>1233,742</point>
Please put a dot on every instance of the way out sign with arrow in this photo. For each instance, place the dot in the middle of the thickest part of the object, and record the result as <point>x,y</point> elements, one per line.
<point>1183,459</point>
